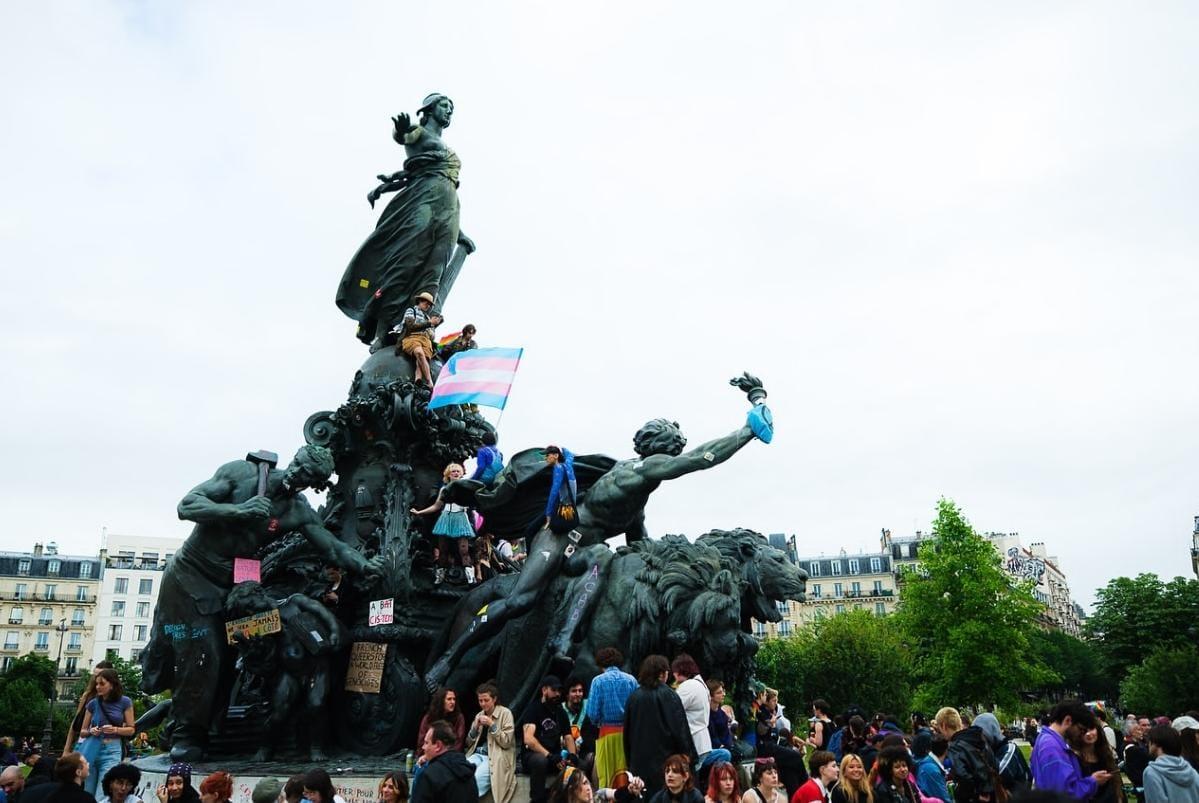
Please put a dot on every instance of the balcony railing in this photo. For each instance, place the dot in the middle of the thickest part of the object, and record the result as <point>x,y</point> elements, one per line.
<point>10,645</point>
<point>74,647</point>
<point>41,647</point>
<point>140,565</point>
<point>44,622</point>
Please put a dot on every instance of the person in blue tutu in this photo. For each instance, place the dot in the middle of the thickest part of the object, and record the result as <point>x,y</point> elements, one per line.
<point>453,525</point>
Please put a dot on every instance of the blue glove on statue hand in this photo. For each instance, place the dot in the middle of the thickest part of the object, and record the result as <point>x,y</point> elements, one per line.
<point>761,423</point>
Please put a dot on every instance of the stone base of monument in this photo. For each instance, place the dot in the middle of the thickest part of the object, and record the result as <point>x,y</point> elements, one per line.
<point>356,780</point>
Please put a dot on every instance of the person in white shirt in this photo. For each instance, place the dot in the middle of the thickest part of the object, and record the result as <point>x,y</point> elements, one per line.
<point>693,692</point>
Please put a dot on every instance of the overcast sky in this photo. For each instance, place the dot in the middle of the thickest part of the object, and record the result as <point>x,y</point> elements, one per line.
<point>958,242</point>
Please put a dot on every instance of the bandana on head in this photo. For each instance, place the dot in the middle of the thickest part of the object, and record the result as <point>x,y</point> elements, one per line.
<point>183,770</point>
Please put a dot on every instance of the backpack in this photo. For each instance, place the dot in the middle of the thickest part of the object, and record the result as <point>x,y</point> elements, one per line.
<point>974,772</point>
<point>834,744</point>
<point>1013,768</point>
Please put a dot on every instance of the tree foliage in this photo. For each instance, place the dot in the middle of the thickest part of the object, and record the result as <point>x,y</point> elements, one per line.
<point>1166,683</point>
<point>851,658</point>
<point>35,668</point>
<point>967,622</point>
<point>1134,616</point>
<point>23,707</point>
<point>1077,665</point>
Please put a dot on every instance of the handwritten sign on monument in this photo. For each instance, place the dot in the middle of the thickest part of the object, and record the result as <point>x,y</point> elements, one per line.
<point>382,612</point>
<point>259,624</point>
<point>366,667</point>
<point>247,570</point>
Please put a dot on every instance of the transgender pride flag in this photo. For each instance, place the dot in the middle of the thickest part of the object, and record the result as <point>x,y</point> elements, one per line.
<point>478,376</point>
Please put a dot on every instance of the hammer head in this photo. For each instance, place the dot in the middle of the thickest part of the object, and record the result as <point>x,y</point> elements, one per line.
<point>263,457</point>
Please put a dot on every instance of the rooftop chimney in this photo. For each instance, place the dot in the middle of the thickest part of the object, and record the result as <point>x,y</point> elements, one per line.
<point>37,550</point>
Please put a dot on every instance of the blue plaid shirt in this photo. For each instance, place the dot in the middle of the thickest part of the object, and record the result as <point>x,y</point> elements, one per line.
<point>609,692</point>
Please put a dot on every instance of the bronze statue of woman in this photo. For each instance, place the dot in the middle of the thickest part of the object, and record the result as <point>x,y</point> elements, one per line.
<point>410,250</point>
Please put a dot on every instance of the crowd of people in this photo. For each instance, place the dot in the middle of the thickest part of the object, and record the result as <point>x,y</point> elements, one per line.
<point>667,736</point>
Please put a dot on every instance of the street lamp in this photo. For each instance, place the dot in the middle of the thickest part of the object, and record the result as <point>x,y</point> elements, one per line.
<point>48,733</point>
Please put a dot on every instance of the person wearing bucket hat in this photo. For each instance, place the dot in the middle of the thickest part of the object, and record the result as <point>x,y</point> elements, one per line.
<point>415,332</point>
<point>267,790</point>
<point>412,249</point>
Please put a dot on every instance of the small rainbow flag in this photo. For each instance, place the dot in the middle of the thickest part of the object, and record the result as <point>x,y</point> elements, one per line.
<point>478,376</point>
<point>448,339</point>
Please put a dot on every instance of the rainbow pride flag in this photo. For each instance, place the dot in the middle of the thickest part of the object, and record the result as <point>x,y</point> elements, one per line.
<point>478,376</point>
<point>448,339</point>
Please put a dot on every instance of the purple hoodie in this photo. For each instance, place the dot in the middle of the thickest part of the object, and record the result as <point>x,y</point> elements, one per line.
<point>1055,767</point>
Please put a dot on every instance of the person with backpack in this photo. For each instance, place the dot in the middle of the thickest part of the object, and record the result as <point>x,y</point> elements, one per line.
<point>972,765</point>
<point>1014,773</point>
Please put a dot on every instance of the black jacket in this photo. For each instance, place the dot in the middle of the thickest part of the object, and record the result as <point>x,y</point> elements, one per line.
<point>449,778</point>
<point>42,772</point>
<point>655,728</point>
<point>972,765</point>
<point>690,796</point>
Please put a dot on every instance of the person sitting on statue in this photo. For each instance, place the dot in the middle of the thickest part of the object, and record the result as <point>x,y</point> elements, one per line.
<point>465,341</point>
<point>187,652</point>
<point>286,665</point>
<point>415,333</point>
<point>561,514</point>
<point>452,525</point>
<point>614,505</point>
<point>489,461</point>
<point>444,708</point>
<point>337,594</point>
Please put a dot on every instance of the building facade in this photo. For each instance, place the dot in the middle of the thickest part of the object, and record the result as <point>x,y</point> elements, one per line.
<point>48,605</point>
<point>131,576</point>
<point>836,584</point>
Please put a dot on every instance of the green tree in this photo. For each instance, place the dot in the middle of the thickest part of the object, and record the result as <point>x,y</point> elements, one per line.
<point>1077,664</point>
<point>23,707</point>
<point>968,624</point>
<point>1166,683</point>
<point>35,668</point>
<point>782,664</point>
<point>1134,616</point>
<point>851,658</point>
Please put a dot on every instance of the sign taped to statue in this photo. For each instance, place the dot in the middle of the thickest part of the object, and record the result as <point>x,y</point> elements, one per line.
<point>382,612</point>
<point>366,667</point>
<point>258,624</point>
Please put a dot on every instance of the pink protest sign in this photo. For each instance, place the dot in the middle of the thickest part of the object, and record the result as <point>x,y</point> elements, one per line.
<point>246,570</point>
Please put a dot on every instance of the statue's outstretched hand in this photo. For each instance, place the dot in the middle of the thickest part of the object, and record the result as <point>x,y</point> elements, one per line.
<point>467,243</point>
<point>403,124</point>
<point>746,382</point>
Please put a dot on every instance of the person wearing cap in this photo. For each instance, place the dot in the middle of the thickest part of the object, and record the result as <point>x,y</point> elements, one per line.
<point>415,333</point>
<point>177,788</point>
<point>1188,730</point>
<point>412,249</point>
<point>545,731</point>
<point>268,790</point>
